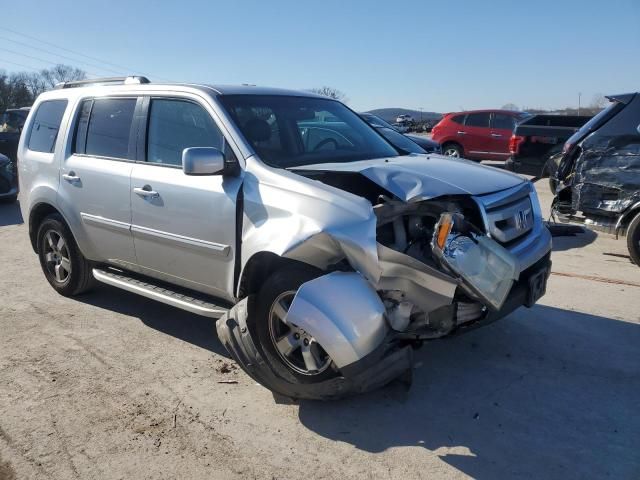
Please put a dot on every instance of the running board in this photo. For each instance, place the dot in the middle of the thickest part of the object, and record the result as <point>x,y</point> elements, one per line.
<point>121,280</point>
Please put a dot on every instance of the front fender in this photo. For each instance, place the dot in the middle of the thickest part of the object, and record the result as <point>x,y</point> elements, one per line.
<point>343,313</point>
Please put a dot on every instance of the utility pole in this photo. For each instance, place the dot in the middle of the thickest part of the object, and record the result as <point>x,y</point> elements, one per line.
<point>579,98</point>
<point>421,108</point>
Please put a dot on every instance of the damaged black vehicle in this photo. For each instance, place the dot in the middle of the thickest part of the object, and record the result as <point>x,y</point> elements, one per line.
<point>599,174</point>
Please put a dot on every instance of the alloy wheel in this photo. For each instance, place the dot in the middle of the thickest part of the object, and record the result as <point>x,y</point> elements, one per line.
<point>297,348</point>
<point>57,257</point>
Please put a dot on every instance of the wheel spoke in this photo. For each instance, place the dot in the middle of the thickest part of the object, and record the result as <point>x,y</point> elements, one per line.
<point>50,241</point>
<point>59,271</point>
<point>60,244</point>
<point>280,311</point>
<point>65,264</point>
<point>309,358</point>
<point>287,344</point>
<point>49,257</point>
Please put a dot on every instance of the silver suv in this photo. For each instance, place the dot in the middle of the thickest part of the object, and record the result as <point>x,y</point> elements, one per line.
<point>324,252</point>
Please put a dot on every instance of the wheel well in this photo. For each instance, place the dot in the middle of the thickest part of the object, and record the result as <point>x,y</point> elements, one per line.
<point>258,269</point>
<point>38,213</point>
<point>451,142</point>
<point>629,216</point>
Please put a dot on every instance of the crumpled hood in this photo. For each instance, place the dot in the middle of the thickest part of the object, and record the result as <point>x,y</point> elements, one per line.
<point>420,177</point>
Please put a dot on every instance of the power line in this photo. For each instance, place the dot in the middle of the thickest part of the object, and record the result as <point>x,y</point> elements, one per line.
<point>119,72</point>
<point>20,65</point>
<point>78,53</point>
<point>39,59</point>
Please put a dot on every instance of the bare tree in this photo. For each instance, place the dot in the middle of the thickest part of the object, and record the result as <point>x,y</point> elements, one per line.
<point>331,93</point>
<point>61,73</point>
<point>598,102</point>
<point>510,106</point>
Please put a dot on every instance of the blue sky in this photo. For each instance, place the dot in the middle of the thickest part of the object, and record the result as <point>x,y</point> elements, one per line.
<point>438,55</point>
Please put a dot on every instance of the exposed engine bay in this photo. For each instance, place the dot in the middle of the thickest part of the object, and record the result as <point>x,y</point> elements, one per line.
<point>402,257</point>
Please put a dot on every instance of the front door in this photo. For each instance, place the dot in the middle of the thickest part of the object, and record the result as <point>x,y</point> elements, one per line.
<point>183,226</point>
<point>95,181</point>
<point>502,125</point>
<point>476,139</point>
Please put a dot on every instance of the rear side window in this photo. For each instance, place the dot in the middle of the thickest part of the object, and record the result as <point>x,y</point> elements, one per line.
<point>175,125</point>
<point>459,119</point>
<point>46,125</point>
<point>503,121</point>
<point>478,120</point>
<point>104,127</point>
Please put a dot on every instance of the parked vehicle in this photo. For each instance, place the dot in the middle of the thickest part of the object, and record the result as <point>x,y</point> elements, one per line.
<point>8,187</point>
<point>11,124</point>
<point>408,143</point>
<point>537,141</point>
<point>404,118</point>
<point>599,173</point>
<point>323,252</point>
<point>477,135</point>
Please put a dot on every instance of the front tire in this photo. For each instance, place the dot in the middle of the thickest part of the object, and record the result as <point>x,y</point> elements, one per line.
<point>633,239</point>
<point>452,150</point>
<point>64,266</point>
<point>292,353</point>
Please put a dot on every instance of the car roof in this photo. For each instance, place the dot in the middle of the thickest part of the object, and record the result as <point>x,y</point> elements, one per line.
<point>213,90</point>
<point>493,110</point>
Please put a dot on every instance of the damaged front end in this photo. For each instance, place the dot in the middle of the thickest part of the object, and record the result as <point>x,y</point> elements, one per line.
<point>419,267</point>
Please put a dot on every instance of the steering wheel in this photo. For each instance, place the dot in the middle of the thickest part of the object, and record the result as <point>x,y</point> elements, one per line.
<point>324,142</point>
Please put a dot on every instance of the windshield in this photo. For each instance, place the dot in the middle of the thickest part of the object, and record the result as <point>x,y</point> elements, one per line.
<point>293,131</point>
<point>595,122</point>
<point>400,141</point>
<point>375,121</point>
<point>11,122</point>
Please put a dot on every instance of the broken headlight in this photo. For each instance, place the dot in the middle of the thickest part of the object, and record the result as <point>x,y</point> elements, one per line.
<point>487,269</point>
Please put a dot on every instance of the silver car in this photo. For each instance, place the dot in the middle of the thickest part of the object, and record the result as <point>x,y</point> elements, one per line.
<point>324,254</point>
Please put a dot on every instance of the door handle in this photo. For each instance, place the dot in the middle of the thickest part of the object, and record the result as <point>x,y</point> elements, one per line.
<point>496,135</point>
<point>146,192</point>
<point>460,132</point>
<point>71,177</point>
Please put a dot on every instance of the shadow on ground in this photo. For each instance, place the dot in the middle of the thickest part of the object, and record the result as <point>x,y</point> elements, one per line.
<point>195,329</point>
<point>547,393</point>
<point>10,214</point>
<point>573,240</point>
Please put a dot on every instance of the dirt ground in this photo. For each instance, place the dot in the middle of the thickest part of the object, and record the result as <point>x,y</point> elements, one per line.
<point>110,385</point>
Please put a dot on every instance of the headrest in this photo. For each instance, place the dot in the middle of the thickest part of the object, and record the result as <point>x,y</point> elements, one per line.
<point>258,130</point>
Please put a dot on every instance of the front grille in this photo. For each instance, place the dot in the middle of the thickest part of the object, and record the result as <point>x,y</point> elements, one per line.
<point>508,215</point>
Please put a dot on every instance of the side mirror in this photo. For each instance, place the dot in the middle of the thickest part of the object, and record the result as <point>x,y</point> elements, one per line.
<point>202,161</point>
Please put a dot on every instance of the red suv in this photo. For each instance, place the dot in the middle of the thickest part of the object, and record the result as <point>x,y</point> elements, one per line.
<point>477,135</point>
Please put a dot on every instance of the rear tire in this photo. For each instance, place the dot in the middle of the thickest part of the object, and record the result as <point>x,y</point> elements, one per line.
<point>633,239</point>
<point>64,266</point>
<point>452,150</point>
<point>287,349</point>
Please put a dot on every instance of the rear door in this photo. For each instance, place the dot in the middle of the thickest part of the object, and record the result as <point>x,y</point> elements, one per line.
<point>477,139</point>
<point>95,178</point>
<point>502,125</point>
<point>183,226</point>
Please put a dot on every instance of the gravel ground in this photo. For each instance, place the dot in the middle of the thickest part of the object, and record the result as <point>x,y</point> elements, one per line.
<point>110,385</point>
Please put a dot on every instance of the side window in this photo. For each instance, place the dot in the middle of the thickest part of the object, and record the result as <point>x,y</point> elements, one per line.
<point>175,125</point>
<point>459,119</point>
<point>108,129</point>
<point>503,121</point>
<point>478,120</point>
<point>46,125</point>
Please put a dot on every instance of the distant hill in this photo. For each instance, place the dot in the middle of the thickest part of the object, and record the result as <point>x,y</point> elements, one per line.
<point>390,114</point>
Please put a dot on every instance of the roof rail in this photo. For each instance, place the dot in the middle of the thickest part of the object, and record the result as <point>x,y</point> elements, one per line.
<point>132,79</point>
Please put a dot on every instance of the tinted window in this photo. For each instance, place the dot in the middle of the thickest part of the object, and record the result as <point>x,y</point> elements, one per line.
<point>459,119</point>
<point>175,125</point>
<point>288,131</point>
<point>400,141</point>
<point>109,127</point>
<point>477,120</point>
<point>46,125</point>
<point>503,121</point>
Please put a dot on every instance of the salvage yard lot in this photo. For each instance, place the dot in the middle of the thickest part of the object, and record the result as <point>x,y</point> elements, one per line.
<point>112,385</point>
